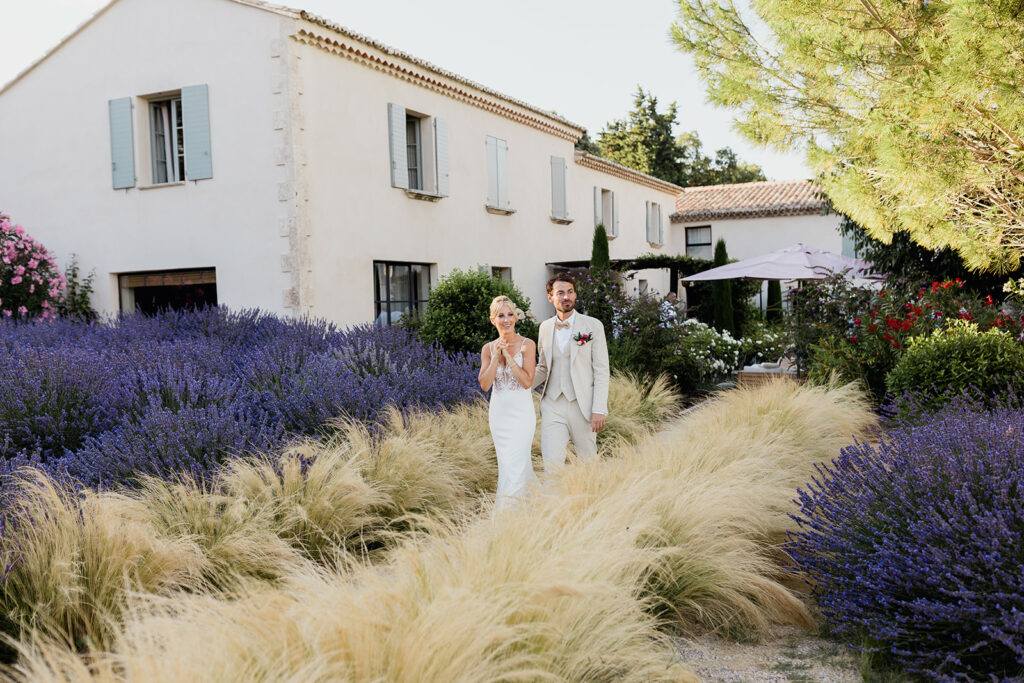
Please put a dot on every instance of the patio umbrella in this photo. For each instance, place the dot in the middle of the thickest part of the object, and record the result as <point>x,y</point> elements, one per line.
<point>798,262</point>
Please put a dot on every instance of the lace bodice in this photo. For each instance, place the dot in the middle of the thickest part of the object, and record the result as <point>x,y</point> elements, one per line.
<point>504,380</point>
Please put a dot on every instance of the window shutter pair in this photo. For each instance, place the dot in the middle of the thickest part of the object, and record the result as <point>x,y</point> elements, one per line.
<point>399,159</point>
<point>558,203</point>
<point>611,222</point>
<point>497,173</point>
<point>195,112</point>
<point>655,229</point>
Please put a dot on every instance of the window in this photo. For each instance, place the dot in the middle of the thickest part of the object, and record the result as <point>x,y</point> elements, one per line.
<point>413,152</point>
<point>606,211</point>
<point>400,289</point>
<point>174,139</point>
<point>502,273</point>
<point>167,140</point>
<point>698,242</point>
<point>655,228</point>
<point>642,287</point>
<point>418,146</point>
<point>154,291</point>
<point>497,176</point>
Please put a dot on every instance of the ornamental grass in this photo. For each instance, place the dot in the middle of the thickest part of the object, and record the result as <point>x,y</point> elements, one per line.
<point>580,581</point>
<point>546,592</point>
<point>72,561</point>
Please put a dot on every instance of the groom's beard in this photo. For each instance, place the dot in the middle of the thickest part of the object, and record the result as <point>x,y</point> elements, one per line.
<point>565,307</point>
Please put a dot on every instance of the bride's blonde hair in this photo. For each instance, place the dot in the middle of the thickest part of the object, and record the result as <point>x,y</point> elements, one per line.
<point>501,301</point>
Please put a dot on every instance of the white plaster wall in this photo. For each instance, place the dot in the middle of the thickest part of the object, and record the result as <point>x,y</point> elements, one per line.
<point>747,237</point>
<point>55,176</point>
<point>355,216</point>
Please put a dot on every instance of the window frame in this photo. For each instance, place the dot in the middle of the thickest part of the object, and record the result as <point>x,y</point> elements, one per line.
<point>170,161</point>
<point>708,244</point>
<point>385,307</point>
<point>414,161</point>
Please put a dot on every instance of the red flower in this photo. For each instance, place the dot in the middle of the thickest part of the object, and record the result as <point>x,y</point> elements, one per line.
<point>988,301</point>
<point>856,321</point>
<point>854,339</point>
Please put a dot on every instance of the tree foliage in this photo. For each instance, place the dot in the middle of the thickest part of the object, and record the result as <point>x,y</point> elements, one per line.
<point>645,141</point>
<point>911,111</point>
<point>902,258</point>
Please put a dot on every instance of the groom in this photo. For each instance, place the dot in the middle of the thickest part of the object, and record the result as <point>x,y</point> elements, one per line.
<point>573,369</point>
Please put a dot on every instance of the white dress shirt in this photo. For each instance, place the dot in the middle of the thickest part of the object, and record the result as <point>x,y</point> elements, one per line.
<point>564,334</point>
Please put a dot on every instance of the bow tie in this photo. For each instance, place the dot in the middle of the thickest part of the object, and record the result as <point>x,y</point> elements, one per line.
<point>562,324</point>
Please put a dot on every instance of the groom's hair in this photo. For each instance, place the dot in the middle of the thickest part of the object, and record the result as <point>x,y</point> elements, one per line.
<point>561,277</point>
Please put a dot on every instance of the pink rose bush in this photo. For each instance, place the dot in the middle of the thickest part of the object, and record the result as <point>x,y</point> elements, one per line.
<point>30,283</point>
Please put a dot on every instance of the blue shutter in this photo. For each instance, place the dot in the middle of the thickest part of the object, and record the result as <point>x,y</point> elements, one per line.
<point>597,207</point>
<point>441,155</point>
<point>195,114</point>
<point>122,151</point>
<point>396,139</point>
<point>492,171</point>
<point>558,209</point>
<point>503,201</point>
<point>661,226</point>
<point>615,216</point>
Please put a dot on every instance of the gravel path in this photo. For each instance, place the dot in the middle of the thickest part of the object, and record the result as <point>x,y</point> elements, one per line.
<point>789,654</point>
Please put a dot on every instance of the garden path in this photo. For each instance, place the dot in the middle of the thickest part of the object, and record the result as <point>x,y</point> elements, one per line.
<point>788,654</point>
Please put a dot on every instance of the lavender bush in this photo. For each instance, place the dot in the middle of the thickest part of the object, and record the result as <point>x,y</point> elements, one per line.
<point>916,546</point>
<point>182,391</point>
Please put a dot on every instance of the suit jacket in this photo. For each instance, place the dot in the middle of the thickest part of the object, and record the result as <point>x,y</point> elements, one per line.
<point>589,363</point>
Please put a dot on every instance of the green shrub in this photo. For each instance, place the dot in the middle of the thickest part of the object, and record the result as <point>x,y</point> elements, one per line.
<point>458,311</point>
<point>76,300</point>
<point>958,359</point>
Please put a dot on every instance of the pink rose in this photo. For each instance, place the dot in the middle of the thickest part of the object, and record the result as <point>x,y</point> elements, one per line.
<point>33,263</point>
<point>16,280</point>
<point>7,313</point>
<point>22,310</point>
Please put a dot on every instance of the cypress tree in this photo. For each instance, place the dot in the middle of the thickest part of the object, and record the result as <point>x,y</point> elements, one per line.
<point>721,295</point>
<point>602,278</point>
<point>774,311</point>
<point>599,252</point>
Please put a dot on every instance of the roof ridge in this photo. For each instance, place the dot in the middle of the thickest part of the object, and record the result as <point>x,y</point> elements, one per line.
<point>394,52</point>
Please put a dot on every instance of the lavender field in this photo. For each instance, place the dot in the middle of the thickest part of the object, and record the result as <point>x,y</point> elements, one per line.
<point>181,392</point>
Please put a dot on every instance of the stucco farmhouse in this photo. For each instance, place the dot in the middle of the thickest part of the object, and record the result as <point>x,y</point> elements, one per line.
<point>265,157</point>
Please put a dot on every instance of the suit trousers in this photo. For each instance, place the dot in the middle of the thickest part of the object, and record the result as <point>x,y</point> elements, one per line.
<point>561,421</point>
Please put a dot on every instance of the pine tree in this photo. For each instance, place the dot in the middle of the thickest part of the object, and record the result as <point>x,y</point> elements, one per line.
<point>645,141</point>
<point>910,112</point>
<point>721,295</point>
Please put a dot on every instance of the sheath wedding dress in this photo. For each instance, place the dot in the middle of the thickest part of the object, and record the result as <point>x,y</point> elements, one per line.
<point>513,422</point>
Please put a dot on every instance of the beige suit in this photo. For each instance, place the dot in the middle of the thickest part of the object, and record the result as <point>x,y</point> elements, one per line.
<point>570,395</point>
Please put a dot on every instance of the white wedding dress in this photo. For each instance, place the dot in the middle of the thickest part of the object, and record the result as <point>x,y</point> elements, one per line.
<point>513,422</point>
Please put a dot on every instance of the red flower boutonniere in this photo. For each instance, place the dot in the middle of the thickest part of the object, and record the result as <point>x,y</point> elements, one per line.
<point>582,338</point>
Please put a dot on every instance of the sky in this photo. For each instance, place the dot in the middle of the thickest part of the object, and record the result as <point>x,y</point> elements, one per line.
<point>581,58</point>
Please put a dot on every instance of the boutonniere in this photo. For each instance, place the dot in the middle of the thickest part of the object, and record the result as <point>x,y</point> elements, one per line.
<point>582,338</point>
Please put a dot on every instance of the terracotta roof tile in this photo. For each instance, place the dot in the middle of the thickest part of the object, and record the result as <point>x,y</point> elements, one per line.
<point>748,200</point>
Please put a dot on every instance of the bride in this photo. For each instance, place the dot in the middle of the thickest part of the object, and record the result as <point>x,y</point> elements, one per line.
<point>507,365</point>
